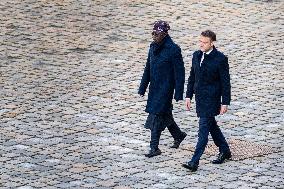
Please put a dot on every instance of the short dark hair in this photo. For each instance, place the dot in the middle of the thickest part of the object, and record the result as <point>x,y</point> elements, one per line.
<point>210,34</point>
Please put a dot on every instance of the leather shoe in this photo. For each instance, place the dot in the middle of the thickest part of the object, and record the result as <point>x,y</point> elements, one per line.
<point>222,157</point>
<point>191,166</point>
<point>177,142</point>
<point>153,153</point>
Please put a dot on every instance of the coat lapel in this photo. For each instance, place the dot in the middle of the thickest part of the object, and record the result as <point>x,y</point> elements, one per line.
<point>197,63</point>
<point>208,57</point>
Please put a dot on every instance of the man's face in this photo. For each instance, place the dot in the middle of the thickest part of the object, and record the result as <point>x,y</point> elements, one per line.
<point>205,43</point>
<point>158,36</point>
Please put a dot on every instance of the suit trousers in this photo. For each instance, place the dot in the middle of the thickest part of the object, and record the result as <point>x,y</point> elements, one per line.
<point>159,123</point>
<point>209,125</point>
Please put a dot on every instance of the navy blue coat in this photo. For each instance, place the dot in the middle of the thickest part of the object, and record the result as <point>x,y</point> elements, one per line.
<point>210,83</point>
<point>165,72</point>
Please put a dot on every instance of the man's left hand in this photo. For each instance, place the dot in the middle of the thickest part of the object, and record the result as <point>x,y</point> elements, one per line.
<point>224,109</point>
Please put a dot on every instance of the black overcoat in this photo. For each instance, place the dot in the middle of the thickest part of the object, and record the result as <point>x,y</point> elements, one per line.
<point>210,82</point>
<point>165,72</point>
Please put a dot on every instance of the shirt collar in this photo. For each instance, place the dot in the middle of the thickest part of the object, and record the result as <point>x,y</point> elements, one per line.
<point>208,52</point>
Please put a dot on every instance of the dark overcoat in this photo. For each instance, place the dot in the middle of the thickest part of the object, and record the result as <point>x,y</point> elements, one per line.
<point>210,82</point>
<point>165,72</point>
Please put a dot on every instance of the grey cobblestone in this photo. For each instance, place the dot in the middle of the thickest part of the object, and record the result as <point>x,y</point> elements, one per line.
<point>69,113</point>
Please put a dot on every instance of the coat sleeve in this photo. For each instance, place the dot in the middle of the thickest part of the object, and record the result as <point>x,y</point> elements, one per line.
<point>225,81</point>
<point>179,74</point>
<point>190,82</point>
<point>145,78</point>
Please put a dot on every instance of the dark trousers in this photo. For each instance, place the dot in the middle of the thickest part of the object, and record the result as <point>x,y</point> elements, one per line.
<point>209,125</point>
<point>157,130</point>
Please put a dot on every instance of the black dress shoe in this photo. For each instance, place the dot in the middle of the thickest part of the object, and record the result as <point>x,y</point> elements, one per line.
<point>191,166</point>
<point>153,153</point>
<point>177,142</point>
<point>222,157</point>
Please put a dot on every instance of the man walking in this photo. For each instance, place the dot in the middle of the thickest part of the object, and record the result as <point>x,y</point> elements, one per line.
<point>165,72</point>
<point>209,80</point>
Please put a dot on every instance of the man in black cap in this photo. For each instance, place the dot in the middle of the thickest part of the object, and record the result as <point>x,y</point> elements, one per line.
<point>165,72</point>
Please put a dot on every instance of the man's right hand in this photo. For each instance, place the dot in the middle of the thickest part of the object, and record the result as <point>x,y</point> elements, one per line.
<point>187,103</point>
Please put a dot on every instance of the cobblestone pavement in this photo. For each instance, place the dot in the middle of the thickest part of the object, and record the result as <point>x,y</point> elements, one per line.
<point>69,113</point>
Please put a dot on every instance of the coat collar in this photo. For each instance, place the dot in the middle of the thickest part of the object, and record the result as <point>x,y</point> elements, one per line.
<point>211,54</point>
<point>157,47</point>
<point>200,53</point>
